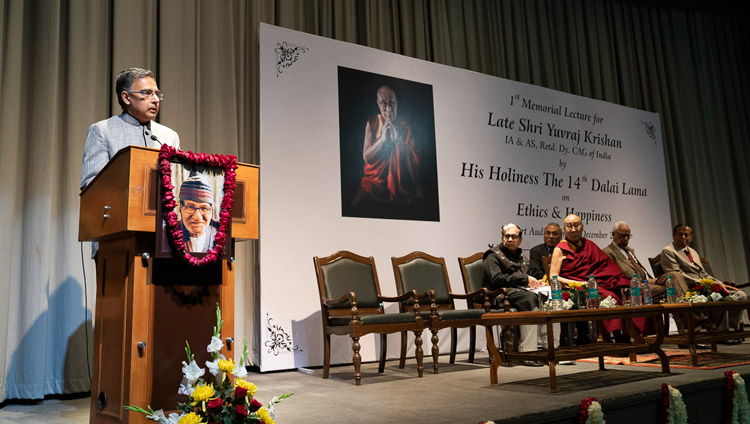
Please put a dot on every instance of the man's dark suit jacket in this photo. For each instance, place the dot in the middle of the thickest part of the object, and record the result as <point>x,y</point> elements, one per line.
<point>536,266</point>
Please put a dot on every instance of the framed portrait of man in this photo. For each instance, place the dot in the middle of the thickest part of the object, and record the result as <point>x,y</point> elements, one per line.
<point>198,193</point>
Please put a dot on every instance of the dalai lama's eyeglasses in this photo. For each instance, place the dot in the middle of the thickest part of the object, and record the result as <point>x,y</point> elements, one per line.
<point>573,226</point>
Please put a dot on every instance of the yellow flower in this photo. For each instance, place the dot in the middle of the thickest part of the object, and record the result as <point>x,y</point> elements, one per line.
<point>191,418</point>
<point>203,392</point>
<point>226,365</point>
<point>264,416</point>
<point>252,389</point>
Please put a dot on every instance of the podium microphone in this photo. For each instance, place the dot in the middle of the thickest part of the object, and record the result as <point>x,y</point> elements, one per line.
<point>153,137</point>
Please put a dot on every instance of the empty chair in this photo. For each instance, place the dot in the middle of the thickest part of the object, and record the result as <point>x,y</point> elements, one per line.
<point>472,272</point>
<point>428,276</point>
<point>351,304</point>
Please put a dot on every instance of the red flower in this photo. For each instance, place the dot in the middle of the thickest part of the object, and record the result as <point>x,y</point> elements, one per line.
<point>255,405</point>
<point>240,392</point>
<point>565,295</point>
<point>215,404</point>
<point>698,288</point>
<point>716,288</point>
<point>241,410</point>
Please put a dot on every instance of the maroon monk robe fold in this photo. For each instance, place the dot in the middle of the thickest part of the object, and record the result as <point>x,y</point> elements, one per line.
<point>393,175</point>
<point>590,259</point>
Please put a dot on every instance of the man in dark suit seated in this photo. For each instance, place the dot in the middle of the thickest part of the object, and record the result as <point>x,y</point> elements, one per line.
<point>505,266</point>
<point>552,236</point>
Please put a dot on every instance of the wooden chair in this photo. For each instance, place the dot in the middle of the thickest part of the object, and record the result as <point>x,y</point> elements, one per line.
<point>472,273</point>
<point>428,276</point>
<point>351,304</point>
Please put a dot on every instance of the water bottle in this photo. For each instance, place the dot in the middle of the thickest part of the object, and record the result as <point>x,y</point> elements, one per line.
<point>635,291</point>
<point>556,302</point>
<point>593,300</point>
<point>671,290</point>
<point>647,299</point>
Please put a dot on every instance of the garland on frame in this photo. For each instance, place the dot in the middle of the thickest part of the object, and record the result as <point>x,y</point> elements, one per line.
<point>167,155</point>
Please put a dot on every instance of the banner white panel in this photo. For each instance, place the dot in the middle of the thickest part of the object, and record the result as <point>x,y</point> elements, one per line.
<point>475,152</point>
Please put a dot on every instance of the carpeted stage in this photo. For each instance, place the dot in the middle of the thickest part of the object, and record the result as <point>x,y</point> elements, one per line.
<point>461,393</point>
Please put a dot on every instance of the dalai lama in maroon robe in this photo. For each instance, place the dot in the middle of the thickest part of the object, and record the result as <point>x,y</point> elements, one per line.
<point>391,157</point>
<point>575,258</point>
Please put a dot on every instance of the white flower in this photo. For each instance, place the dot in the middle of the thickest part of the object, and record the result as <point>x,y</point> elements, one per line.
<point>568,304</point>
<point>609,302</point>
<point>677,411</point>
<point>240,371</point>
<point>186,387</point>
<point>158,416</point>
<point>699,299</point>
<point>213,366</point>
<point>741,410</point>
<point>734,296</point>
<point>174,418</point>
<point>716,296</point>
<point>215,345</point>
<point>192,372</point>
<point>595,413</point>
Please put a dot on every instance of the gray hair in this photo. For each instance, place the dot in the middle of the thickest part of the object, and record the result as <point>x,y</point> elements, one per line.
<point>508,225</point>
<point>619,224</point>
<point>125,79</point>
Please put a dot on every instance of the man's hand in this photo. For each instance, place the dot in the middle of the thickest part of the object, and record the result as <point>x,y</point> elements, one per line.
<point>534,283</point>
<point>389,131</point>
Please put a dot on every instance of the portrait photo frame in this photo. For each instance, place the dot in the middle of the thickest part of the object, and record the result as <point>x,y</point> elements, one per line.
<point>196,198</point>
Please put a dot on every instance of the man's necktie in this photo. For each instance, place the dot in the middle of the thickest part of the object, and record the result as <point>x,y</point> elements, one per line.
<point>636,265</point>
<point>687,252</point>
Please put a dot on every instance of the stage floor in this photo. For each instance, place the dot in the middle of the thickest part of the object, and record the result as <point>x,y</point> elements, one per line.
<point>460,393</point>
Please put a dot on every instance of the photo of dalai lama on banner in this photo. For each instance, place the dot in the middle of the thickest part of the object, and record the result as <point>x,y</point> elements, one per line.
<point>388,164</point>
<point>198,194</point>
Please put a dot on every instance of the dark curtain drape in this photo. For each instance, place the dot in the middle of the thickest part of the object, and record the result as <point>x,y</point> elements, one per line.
<point>688,61</point>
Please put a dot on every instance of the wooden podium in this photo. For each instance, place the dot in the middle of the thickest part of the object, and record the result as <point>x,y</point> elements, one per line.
<point>147,308</point>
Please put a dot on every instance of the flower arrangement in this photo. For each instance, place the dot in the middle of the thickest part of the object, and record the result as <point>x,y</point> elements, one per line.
<point>738,407</point>
<point>609,302</point>
<point>707,290</point>
<point>590,411</point>
<point>167,154</point>
<point>228,399</point>
<point>673,409</point>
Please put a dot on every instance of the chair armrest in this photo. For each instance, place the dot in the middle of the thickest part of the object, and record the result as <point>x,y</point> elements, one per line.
<point>479,293</point>
<point>351,296</point>
<point>742,286</point>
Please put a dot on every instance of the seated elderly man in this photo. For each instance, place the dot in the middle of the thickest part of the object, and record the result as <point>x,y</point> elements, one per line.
<point>575,258</point>
<point>679,257</point>
<point>505,266</point>
<point>624,256</point>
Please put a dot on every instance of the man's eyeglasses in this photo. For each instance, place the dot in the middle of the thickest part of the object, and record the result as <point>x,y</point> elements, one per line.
<point>573,226</point>
<point>148,93</point>
<point>190,209</point>
<point>512,236</point>
<point>551,233</point>
<point>623,235</point>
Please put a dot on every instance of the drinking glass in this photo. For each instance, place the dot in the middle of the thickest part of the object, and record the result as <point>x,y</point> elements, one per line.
<point>626,299</point>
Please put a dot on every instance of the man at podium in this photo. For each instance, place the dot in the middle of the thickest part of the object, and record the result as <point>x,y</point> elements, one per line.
<point>140,99</point>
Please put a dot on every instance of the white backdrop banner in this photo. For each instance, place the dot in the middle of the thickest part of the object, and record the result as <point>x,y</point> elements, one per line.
<point>451,156</point>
